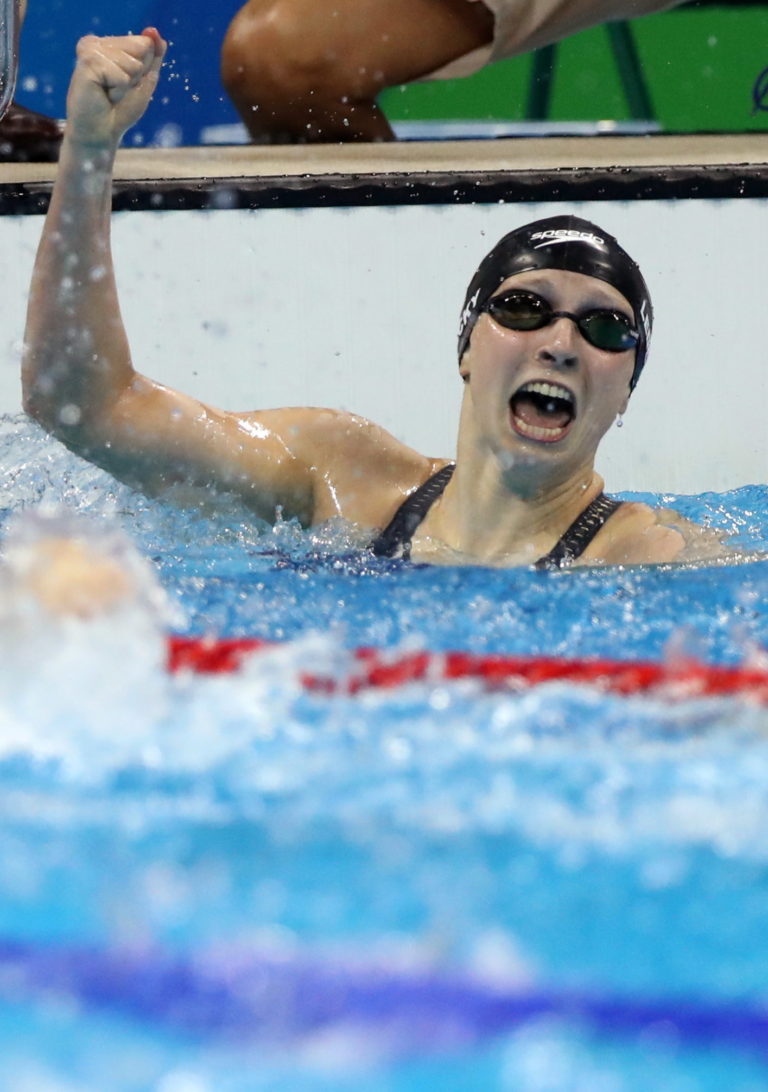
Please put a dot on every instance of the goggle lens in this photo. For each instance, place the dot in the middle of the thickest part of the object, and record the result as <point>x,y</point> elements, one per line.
<point>608,330</point>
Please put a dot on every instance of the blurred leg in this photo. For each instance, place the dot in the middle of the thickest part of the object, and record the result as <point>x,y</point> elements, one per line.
<point>310,70</point>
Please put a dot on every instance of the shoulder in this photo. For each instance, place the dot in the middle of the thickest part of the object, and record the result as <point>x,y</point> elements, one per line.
<point>637,534</point>
<point>324,438</point>
<point>360,470</point>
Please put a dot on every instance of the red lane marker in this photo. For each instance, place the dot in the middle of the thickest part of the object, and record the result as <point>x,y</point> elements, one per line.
<point>376,669</point>
<point>210,655</point>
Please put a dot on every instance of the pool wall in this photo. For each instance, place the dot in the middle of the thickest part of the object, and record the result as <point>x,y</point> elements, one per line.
<point>356,307</point>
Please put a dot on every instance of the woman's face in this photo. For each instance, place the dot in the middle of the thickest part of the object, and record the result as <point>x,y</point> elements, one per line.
<point>547,393</point>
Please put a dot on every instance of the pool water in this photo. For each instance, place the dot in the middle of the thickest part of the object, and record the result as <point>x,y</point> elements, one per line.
<point>230,882</point>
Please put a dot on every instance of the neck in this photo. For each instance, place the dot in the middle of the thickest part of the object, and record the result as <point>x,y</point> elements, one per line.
<point>497,509</point>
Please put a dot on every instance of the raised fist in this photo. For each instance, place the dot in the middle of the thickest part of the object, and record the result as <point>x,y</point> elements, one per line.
<point>112,84</point>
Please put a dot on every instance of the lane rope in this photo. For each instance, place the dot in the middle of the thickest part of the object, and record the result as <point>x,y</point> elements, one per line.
<point>249,997</point>
<point>378,669</point>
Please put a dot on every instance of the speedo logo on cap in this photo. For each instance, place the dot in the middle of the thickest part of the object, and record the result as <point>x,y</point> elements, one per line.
<point>566,235</point>
<point>645,318</point>
<point>468,311</point>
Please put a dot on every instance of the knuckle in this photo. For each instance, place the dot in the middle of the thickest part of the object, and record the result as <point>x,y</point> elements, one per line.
<point>87,46</point>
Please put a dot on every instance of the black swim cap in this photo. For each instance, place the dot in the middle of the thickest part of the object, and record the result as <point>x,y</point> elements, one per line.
<point>561,242</point>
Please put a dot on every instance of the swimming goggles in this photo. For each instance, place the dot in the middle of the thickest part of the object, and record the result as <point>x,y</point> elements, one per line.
<point>519,309</point>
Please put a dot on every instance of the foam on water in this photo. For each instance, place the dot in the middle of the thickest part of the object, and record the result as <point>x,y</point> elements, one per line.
<point>558,839</point>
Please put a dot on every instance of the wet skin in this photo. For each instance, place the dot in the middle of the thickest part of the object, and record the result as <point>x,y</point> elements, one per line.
<point>500,361</point>
<point>515,491</point>
<point>512,494</point>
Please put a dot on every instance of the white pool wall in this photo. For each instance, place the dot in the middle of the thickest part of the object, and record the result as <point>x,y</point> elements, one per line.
<point>357,308</point>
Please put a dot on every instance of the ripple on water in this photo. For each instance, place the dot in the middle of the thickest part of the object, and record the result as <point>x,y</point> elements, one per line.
<point>558,838</point>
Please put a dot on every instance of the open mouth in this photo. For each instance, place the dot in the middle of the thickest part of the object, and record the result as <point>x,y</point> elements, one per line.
<point>542,411</point>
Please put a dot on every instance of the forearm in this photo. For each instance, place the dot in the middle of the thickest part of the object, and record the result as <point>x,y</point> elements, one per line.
<point>76,355</point>
<point>79,381</point>
<point>76,359</point>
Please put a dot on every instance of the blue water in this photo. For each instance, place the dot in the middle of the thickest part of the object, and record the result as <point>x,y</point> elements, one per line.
<point>178,852</point>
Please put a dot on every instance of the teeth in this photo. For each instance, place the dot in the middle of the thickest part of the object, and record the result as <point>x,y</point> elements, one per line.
<point>549,390</point>
<point>537,433</point>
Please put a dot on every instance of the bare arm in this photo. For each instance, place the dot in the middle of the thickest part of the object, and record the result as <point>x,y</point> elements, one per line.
<point>639,535</point>
<point>76,359</point>
<point>78,378</point>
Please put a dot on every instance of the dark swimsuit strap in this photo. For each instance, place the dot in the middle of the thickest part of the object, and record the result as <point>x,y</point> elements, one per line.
<point>398,533</point>
<point>400,530</point>
<point>574,541</point>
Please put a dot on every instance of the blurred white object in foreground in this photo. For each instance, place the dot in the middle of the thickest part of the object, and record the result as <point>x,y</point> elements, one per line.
<point>83,622</point>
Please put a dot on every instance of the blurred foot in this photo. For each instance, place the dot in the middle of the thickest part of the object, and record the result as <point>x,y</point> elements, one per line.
<point>28,137</point>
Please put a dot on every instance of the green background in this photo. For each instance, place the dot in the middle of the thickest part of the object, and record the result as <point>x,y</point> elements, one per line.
<point>700,66</point>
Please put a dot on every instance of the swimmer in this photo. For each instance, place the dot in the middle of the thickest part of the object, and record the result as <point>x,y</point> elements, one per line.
<point>310,70</point>
<point>554,337</point>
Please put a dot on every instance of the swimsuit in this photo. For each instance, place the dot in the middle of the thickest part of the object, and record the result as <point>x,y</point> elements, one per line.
<point>397,535</point>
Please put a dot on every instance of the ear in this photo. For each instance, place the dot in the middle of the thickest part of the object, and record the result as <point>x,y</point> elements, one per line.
<point>465,367</point>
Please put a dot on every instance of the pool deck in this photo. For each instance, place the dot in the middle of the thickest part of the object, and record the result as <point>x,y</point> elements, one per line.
<point>420,157</point>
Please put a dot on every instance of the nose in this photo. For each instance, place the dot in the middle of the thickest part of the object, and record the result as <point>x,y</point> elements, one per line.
<point>559,343</point>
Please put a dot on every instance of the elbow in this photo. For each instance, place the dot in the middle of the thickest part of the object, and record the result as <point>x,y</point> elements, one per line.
<point>40,406</point>
<point>38,392</point>
<point>61,419</point>
<point>36,406</point>
<point>54,402</point>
